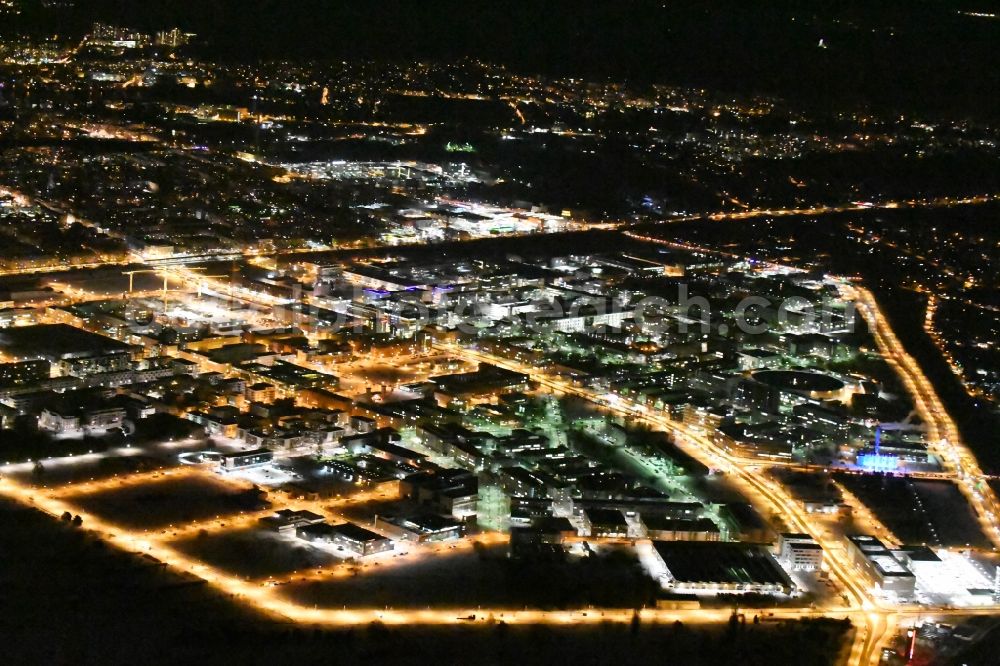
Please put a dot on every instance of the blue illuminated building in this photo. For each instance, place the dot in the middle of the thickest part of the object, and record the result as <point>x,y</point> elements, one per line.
<point>876,461</point>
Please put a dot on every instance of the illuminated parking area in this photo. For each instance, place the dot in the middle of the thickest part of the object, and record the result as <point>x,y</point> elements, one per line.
<point>264,475</point>
<point>652,563</point>
<point>952,580</point>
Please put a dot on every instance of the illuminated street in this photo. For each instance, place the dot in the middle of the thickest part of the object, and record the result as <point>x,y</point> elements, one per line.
<point>442,333</point>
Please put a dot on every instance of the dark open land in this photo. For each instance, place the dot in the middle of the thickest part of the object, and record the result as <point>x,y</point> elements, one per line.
<point>487,577</point>
<point>70,599</point>
<point>82,467</point>
<point>931,512</point>
<point>164,502</point>
<point>25,443</point>
<point>253,552</point>
<point>825,241</point>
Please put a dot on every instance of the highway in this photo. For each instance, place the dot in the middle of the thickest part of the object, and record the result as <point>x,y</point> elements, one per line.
<point>938,202</point>
<point>762,492</point>
<point>266,597</point>
<point>941,430</point>
<point>942,434</point>
<point>248,251</point>
<point>874,621</point>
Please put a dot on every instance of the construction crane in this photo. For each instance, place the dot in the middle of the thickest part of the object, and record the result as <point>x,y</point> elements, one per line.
<point>131,277</point>
<point>201,282</point>
<point>201,278</point>
<point>158,271</point>
<point>131,284</point>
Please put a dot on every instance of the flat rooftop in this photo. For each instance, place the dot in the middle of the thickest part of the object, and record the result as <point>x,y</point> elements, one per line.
<point>606,517</point>
<point>356,533</point>
<point>720,562</point>
<point>670,524</point>
<point>56,342</point>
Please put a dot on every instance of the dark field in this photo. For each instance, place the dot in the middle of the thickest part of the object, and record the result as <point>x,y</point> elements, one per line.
<point>931,512</point>
<point>165,502</point>
<point>254,553</point>
<point>69,599</point>
<point>487,577</point>
<point>116,461</point>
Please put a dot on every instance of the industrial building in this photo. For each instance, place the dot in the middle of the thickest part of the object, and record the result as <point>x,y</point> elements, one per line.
<point>244,459</point>
<point>350,537</point>
<point>887,573</point>
<point>799,552</point>
<point>721,567</point>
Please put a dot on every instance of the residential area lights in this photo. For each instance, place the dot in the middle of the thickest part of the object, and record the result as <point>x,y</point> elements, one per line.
<point>268,600</point>
<point>871,612</point>
<point>695,443</point>
<point>700,447</point>
<point>941,428</point>
<point>876,618</point>
<point>359,341</point>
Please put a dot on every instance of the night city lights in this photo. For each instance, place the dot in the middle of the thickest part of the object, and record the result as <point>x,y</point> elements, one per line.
<point>501,333</point>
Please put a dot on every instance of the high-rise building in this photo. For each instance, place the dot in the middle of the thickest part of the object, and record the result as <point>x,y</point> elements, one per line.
<point>173,38</point>
<point>24,373</point>
<point>103,33</point>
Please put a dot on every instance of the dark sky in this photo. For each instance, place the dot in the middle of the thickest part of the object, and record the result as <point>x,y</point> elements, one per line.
<point>909,54</point>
